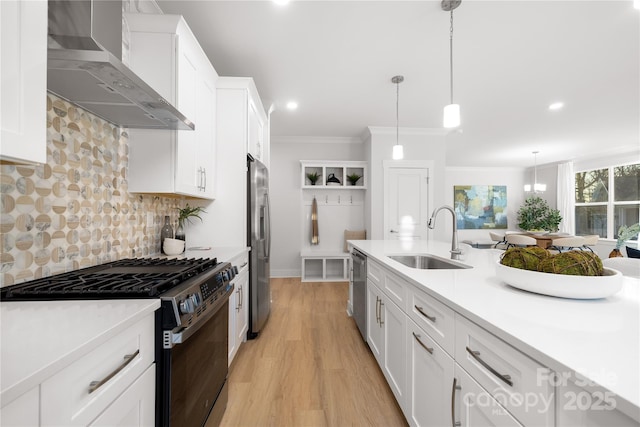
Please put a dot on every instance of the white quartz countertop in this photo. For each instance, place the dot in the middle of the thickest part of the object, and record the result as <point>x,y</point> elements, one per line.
<point>597,339</point>
<point>39,338</point>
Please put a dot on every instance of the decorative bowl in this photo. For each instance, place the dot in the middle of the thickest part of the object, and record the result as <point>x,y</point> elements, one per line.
<point>173,246</point>
<point>562,285</point>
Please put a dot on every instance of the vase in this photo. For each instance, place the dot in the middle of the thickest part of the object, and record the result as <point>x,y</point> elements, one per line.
<point>180,235</point>
<point>615,253</point>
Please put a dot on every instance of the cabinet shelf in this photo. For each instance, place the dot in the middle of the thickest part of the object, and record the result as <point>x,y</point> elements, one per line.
<point>326,169</point>
<point>325,267</point>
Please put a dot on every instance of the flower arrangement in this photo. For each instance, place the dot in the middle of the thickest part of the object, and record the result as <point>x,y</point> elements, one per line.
<point>536,215</point>
<point>625,233</point>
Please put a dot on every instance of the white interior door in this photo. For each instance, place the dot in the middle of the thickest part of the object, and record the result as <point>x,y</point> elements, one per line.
<point>406,202</point>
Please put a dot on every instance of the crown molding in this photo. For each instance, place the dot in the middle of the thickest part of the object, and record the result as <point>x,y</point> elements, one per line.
<point>315,140</point>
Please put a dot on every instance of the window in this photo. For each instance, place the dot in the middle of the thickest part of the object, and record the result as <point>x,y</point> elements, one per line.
<point>606,199</point>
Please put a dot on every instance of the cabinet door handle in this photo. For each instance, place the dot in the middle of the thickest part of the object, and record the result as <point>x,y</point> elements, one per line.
<point>241,296</point>
<point>204,175</point>
<point>503,377</point>
<point>417,337</point>
<point>381,319</point>
<point>421,311</point>
<point>94,385</point>
<point>238,301</point>
<point>455,387</point>
<point>377,310</point>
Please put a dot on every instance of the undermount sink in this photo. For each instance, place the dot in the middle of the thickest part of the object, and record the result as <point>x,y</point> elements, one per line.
<point>428,262</point>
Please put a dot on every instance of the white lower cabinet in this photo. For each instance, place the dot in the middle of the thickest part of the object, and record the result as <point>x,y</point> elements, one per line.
<point>473,406</point>
<point>444,369</point>
<point>133,408</point>
<point>375,333</point>
<point>239,306</point>
<point>430,375</point>
<point>386,324</point>
<point>78,394</point>
<point>23,411</point>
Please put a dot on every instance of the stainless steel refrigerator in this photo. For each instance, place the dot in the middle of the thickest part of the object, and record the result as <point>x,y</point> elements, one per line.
<point>259,239</point>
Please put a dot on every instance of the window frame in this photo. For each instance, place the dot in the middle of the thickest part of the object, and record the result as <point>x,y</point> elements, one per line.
<point>610,203</point>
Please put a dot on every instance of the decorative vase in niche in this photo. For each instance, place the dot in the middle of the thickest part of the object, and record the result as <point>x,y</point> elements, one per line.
<point>615,253</point>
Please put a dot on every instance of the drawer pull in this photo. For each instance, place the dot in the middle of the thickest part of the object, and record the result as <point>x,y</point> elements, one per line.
<point>417,337</point>
<point>503,377</point>
<point>421,310</point>
<point>94,385</point>
<point>455,387</point>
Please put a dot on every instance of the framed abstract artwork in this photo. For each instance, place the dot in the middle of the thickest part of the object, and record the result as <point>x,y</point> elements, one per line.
<point>480,206</point>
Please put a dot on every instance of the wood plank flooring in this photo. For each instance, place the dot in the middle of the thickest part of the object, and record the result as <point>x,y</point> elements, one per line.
<point>309,367</point>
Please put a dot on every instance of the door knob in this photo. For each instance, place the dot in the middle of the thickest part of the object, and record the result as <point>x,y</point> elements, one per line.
<point>393,231</point>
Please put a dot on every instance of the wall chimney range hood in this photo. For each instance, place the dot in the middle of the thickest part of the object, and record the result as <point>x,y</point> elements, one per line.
<point>85,67</point>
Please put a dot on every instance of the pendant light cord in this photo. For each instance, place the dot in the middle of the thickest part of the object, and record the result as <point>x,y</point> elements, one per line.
<point>451,54</point>
<point>397,108</point>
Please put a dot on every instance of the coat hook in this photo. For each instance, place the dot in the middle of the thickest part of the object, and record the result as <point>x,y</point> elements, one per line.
<point>338,199</point>
<point>351,197</point>
<point>326,199</point>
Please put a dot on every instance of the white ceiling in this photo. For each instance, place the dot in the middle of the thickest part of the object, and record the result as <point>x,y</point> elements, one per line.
<point>511,60</point>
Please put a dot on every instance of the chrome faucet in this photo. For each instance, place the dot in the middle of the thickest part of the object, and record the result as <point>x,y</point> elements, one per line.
<point>456,253</point>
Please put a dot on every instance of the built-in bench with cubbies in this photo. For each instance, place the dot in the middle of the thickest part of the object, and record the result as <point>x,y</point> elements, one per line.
<point>340,207</point>
<point>325,266</point>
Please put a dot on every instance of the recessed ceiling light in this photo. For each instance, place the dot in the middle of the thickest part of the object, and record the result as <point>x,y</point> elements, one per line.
<point>556,106</point>
<point>281,2</point>
<point>292,105</point>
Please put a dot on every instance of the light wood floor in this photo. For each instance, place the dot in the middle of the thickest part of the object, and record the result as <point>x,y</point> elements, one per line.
<point>309,366</point>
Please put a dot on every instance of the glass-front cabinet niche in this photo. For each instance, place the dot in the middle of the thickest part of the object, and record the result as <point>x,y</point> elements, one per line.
<point>333,174</point>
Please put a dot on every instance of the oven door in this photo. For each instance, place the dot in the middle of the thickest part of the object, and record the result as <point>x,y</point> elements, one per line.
<point>195,372</point>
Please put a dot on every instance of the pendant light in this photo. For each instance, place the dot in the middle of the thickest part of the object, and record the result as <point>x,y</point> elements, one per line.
<point>398,152</point>
<point>537,188</point>
<point>451,117</point>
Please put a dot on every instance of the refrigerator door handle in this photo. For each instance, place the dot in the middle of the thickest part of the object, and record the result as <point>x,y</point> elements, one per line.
<point>267,240</point>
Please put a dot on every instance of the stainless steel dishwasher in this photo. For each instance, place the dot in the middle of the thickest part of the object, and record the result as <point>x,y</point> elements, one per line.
<point>359,287</point>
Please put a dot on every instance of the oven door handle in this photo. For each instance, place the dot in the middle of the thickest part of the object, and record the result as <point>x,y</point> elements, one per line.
<point>172,338</point>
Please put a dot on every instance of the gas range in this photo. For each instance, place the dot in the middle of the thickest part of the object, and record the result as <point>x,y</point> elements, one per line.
<point>186,286</point>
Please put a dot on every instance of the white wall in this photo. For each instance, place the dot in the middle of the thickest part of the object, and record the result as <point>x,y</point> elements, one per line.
<point>418,144</point>
<point>286,197</point>
<point>513,178</point>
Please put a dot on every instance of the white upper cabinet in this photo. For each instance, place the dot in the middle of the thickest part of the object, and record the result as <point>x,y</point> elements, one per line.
<point>23,107</point>
<point>241,103</point>
<point>164,53</point>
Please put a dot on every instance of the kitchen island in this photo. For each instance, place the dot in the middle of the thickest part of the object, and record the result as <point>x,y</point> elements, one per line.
<point>594,342</point>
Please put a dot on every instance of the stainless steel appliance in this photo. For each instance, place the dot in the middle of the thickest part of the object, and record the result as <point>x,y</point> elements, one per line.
<point>359,289</point>
<point>192,325</point>
<point>84,66</point>
<point>259,239</point>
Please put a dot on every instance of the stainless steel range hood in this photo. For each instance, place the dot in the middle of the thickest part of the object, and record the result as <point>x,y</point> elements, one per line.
<point>85,67</point>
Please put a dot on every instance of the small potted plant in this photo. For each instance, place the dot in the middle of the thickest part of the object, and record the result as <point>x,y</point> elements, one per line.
<point>185,214</point>
<point>313,177</point>
<point>624,233</point>
<point>353,178</point>
<point>536,215</point>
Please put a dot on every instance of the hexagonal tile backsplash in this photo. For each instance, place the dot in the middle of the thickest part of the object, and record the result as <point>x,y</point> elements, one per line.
<point>75,211</point>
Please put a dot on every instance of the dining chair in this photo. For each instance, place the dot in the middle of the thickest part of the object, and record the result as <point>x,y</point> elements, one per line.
<point>567,243</point>
<point>590,240</point>
<point>500,239</point>
<point>514,240</point>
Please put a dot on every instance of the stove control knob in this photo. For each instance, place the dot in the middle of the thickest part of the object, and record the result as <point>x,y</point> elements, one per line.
<point>235,269</point>
<point>186,306</point>
<point>232,273</point>
<point>195,298</point>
